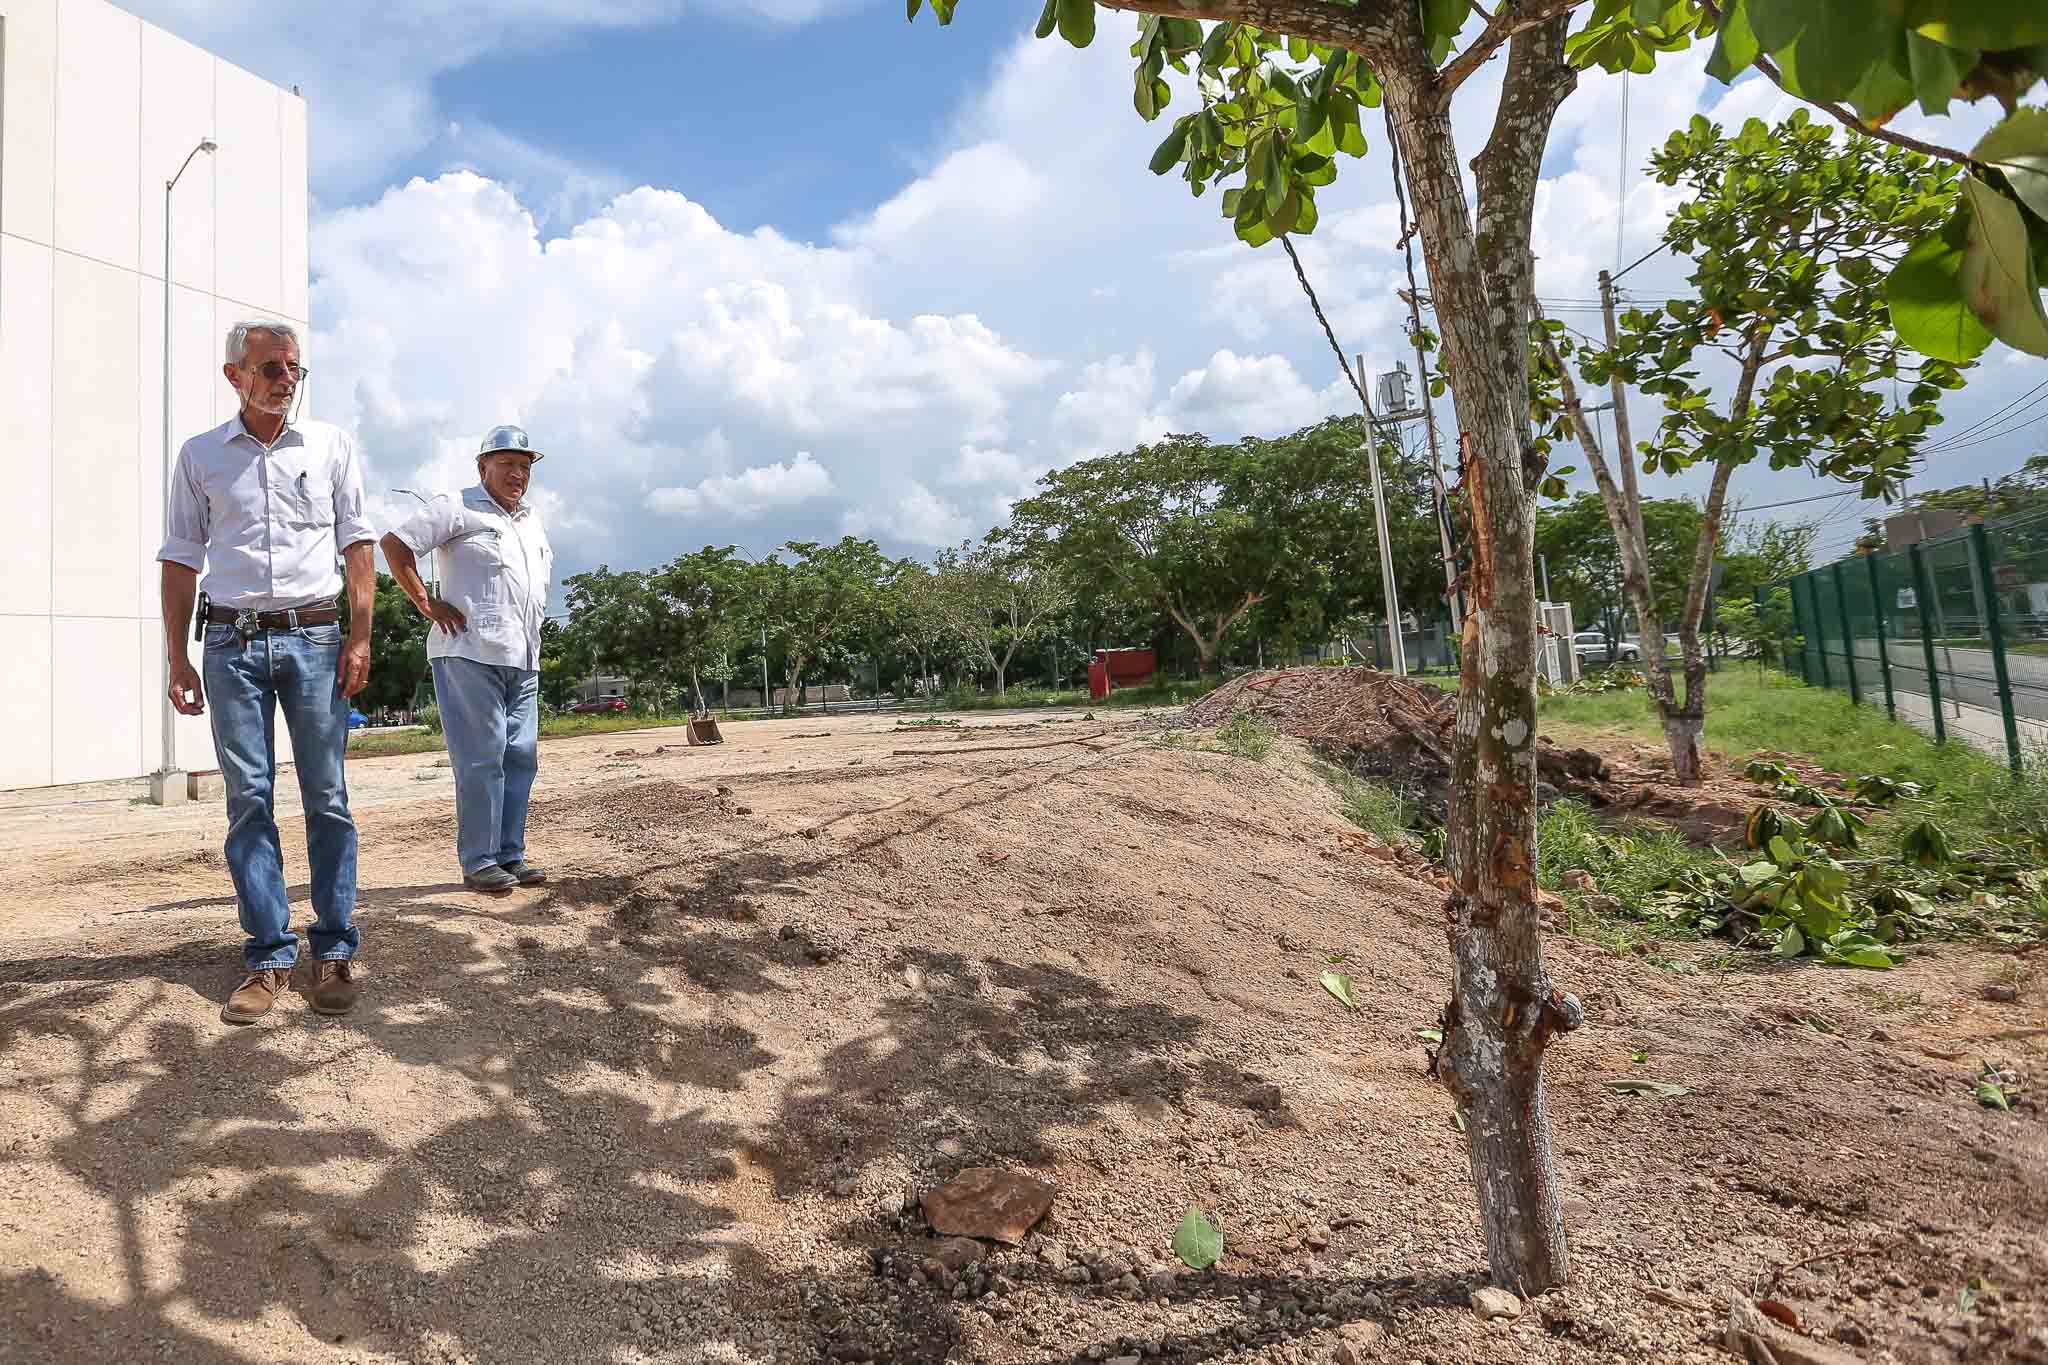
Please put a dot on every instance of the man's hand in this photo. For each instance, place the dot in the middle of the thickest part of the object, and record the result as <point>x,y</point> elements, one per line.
<point>188,697</point>
<point>445,615</point>
<point>355,665</point>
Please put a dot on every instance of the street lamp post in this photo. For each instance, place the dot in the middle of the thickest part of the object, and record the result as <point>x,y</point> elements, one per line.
<point>168,788</point>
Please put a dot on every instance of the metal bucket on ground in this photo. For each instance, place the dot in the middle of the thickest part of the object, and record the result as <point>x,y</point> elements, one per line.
<point>704,731</point>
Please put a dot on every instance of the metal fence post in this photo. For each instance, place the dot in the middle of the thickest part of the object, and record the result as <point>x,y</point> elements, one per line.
<point>1884,658</point>
<point>1994,635</point>
<point>1848,635</point>
<point>1923,597</point>
<point>1820,636</point>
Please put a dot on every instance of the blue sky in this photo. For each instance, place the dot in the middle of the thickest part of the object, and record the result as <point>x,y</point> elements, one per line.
<point>767,269</point>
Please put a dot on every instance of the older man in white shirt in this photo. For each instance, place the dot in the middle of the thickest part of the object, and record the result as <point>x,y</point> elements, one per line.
<point>495,564</point>
<point>268,507</point>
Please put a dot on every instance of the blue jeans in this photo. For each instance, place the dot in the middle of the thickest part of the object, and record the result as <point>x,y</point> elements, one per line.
<point>246,685</point>
<point>490,714</point>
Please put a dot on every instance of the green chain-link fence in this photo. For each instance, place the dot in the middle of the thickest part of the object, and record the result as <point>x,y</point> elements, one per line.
<point>1950,635</point>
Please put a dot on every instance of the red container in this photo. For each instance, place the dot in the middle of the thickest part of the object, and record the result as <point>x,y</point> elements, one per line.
<point>1114,668</point>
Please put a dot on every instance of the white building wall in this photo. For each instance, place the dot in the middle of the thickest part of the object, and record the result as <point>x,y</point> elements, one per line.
<point>97,109</point>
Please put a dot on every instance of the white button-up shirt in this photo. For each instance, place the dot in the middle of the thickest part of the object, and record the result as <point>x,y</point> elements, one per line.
<point>268,525</point>
<point>494,567</point>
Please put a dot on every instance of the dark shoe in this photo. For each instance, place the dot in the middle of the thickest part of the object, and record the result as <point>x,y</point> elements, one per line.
<point>335,987</point>
<point>526,873</point>
<point>254,997</point>
<point>495,880</point>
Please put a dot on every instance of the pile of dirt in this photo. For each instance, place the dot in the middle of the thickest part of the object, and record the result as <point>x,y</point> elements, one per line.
<point>1377,725</point>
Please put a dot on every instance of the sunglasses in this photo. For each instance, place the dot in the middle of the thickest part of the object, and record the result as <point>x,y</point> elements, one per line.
<point>274,370</point>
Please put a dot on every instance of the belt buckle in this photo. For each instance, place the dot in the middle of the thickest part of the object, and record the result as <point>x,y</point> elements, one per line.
<point>246,624</point>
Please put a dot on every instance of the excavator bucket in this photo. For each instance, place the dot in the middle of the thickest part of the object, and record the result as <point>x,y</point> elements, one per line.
<point>704,731</point>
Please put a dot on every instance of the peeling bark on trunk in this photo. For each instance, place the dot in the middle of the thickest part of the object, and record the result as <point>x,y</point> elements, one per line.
<point>1503,1010</point>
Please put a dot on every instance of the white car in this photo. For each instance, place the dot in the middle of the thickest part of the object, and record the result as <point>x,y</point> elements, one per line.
<point>1591,648</point>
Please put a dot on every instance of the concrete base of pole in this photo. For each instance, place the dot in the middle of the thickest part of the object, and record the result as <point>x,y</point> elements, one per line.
<point>168,788</point>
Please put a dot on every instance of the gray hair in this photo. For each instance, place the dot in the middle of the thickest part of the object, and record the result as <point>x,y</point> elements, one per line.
<point>239,334</point>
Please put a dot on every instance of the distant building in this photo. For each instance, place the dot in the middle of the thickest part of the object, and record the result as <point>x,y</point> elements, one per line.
<point>1913,526</point>
<point>97,111</point>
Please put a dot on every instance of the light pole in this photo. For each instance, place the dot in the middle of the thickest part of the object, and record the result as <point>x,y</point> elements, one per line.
<point>167,774</point>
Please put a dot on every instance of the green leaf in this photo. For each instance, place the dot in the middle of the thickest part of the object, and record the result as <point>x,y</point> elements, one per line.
<point>1167,155</point>
<point>1937,70</point>
<point>1997,274</point>
<point>1994,24</point>
<point>1275,174</point>
<point>1442,21</point>
<point>1637,1086</point>
<point>1777,24</point>
<point>1838,45</point>
<point>1048,19</point>
<point>1735,49</point>
<point>1639,1056</point>
<point>1217,44</point>
<point>1925,294</point>
<point>1429,1035</point>
<point>1197,1241</point>
<point>1077,21</point>
<point>1781,851</point>
<point>1991,1095</point>
<point>1791,943</point>
<point>1339,985</point>
<point>2019,148</point>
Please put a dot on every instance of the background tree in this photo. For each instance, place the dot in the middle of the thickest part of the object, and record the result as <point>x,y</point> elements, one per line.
<point>1759,627</point>
<point>1790,231</point>
<point>994,598</point>
<point>1274,125</point>
<point>1763,553</point>
<point>398,650</point>
<point>916,619</point>
<point>815,600</point>
<point>1202,532</point>
<point>690,600</point>
<point>607,631</point>
<point>1579,548</point>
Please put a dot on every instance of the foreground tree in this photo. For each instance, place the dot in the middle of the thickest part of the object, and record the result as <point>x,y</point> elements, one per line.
<point>993,598</point>
<point>1281,84</point>
<point>1792,233</point>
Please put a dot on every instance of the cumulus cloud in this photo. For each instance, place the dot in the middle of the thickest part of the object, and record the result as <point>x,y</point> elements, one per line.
<point>750,492</point>
<point>1027,298</point>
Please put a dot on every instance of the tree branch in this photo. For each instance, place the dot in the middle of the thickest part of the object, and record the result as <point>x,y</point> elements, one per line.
<point>1515,16</point>
<point>1847,117</point>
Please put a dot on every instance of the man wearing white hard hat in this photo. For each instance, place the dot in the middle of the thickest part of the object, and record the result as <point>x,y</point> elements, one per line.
<point>495,565</point>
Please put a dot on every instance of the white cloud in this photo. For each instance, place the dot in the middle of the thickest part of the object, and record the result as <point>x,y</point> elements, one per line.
<point>750,492</point>
<point>1030,298</point>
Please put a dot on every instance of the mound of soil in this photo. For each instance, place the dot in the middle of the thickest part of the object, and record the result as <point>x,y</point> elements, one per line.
<point>1377,725</point>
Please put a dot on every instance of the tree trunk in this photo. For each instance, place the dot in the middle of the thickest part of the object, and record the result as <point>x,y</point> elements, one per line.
<point>1502,1010</point>
<point>998,666</point>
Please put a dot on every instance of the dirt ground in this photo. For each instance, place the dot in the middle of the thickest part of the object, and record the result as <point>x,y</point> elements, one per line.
<point>680,1104</point>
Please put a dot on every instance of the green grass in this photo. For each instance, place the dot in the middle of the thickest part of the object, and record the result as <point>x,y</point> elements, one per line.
<point>1626,866</point>
<point>1970,792</point>
<point>1247,737</point>
<point>1370,804</point>
<point>1022,698</point>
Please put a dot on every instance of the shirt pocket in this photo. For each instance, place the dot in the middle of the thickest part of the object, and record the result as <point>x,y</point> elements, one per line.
<point>306,498</point>
<point>478,559</point>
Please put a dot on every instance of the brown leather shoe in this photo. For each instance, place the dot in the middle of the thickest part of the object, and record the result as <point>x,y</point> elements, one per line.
<point>254,997</point>
<point>335,987</point>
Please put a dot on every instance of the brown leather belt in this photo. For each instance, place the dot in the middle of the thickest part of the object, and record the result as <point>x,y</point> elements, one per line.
<point>276,620</point>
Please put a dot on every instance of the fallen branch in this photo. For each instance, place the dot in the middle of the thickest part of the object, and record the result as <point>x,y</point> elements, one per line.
<point>997,748</point>
<point>1677,1300</point>
<point>1853,1249</point>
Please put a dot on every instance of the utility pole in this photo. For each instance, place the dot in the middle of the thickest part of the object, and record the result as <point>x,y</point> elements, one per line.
<point>1452,597</point>
<point>1379,503</point>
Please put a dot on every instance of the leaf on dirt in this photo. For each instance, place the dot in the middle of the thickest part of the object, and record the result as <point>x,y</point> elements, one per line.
<point>1639,1056</point>
<point>1458,1119</point>
<point>1339,985</point>
<point>1634,1086</point>
<point>1429,1035</point>
<point>1780,1312</point>
<point>1197,1241</point>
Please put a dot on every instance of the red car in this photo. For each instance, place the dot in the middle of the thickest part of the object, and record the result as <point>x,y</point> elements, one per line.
<point>614,705</point>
